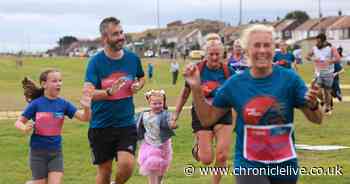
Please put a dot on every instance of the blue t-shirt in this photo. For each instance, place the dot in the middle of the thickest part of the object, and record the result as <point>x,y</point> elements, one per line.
<point>102,71</point>
<point>48,116</point>
<point>212,79</point>
<point>238,66</point>
<point>284,60</point>
<point>265,112</point>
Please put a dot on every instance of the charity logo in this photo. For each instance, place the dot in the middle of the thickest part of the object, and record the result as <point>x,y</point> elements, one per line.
<point>263,110</point>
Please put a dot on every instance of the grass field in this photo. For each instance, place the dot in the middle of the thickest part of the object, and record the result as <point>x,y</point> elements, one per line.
<point>78,169</point>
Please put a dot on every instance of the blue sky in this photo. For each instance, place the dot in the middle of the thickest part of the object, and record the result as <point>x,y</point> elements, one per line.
<point>38,24</point>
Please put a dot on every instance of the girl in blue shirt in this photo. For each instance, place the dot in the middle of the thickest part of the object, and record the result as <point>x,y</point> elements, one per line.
<point>47,110</point>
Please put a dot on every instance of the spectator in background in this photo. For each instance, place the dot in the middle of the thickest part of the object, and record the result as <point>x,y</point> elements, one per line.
<point>174,68</point>
<point>150,68</point>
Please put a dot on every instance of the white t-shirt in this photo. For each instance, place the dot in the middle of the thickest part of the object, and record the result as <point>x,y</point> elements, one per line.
<point>174,67</point>
<point>320,56</point>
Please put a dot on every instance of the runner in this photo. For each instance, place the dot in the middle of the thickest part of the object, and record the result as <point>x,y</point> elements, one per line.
<point>117,74</point>
<point>213,73</point>
<point>237,61</point>
<point>264,98</point>
<point>324,57</point>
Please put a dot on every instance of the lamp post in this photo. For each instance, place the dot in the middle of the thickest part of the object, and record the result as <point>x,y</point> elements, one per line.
<point>221,11</point>
<point>240,12</point>
<point>158,29</point>
<point>319,9</point>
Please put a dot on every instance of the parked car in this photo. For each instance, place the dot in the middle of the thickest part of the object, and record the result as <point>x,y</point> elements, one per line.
<point>196,54</point>
<point>149,53</point>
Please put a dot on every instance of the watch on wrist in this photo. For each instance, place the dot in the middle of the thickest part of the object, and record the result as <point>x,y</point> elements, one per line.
<point>315,107</point>
<point>108,91</point>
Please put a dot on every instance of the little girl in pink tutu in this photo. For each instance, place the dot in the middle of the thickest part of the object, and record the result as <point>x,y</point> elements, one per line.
<point>155,129</point>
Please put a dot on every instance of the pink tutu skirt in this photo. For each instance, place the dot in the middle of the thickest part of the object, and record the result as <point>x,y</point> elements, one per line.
<point>154,160</point>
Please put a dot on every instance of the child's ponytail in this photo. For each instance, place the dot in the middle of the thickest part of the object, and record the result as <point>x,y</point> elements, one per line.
<point>31,90</point>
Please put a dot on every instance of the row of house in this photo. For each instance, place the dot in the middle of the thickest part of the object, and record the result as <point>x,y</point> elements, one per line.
<point>190,35</point>
<point>335,27</point>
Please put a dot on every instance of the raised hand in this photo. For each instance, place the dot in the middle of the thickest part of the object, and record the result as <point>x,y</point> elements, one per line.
<point>117,85</point>
<point>192,75</point>
<point>88,92</point>
<point>312,94</point>
<point>27,128</point>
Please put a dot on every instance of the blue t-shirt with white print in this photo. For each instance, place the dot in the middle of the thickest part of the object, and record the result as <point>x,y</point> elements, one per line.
<point>265,113</point>
<point>284,59</point>
<point>48,116</point>
<point>102,71</point>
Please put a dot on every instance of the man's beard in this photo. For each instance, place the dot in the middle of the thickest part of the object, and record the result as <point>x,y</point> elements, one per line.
<point>116,46</point>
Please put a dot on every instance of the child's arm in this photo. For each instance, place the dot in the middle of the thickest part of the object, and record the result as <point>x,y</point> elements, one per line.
<point>21,124</point>
<point>172,122</point>
<point>84,115</point>
<point>88,92</point>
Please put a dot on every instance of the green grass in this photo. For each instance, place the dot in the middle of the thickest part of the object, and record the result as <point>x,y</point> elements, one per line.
<point>78,168</point>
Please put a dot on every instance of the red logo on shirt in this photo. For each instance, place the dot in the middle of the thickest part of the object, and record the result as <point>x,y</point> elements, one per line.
<point>208,87</point>
<point>125,91</point>
<point>264,110</point>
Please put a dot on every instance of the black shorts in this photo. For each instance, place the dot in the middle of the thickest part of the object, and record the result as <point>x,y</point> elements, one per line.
<point>106,142</point>
<point>44,161</point>
<point>197,126</point>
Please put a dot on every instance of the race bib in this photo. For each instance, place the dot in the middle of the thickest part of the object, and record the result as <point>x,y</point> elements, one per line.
<point>48,123</point>
<point>268,144</point>
<point>125,91</point>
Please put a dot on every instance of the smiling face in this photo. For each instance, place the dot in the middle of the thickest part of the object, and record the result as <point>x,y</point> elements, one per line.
<point>53,84</point>
<point>214,55</point>
<point>156,102</point>
<point>260,50</point>
<point>114,37</point>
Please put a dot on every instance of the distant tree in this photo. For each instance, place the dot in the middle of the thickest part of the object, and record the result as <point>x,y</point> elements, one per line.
<point>163,43</point>
<point>300,16</point>
<point>171,45</point>
<point>66,41</point>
